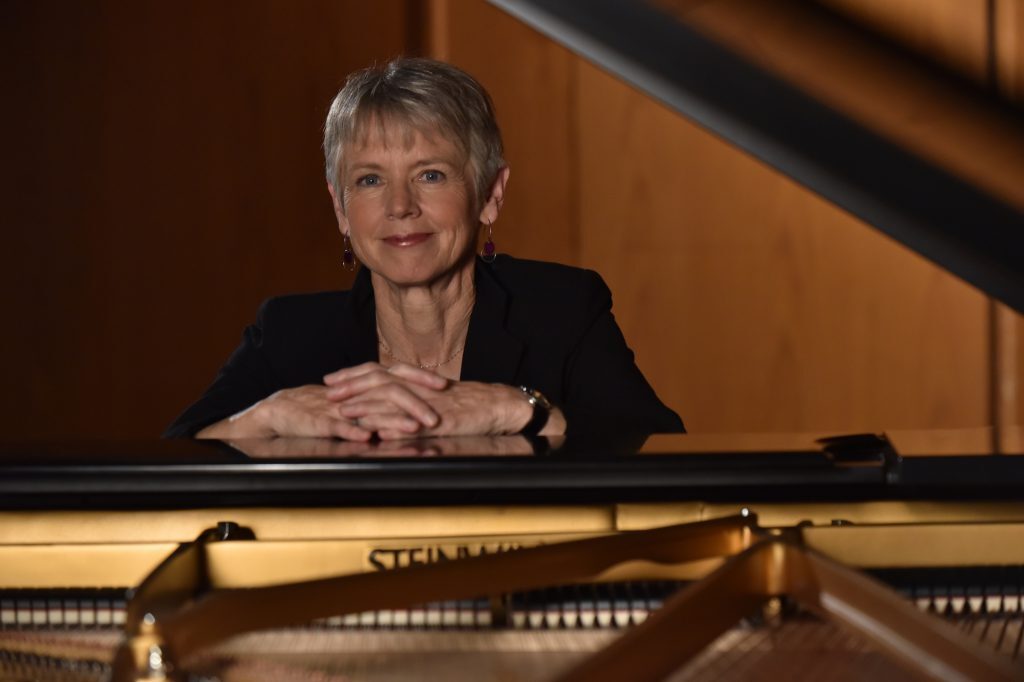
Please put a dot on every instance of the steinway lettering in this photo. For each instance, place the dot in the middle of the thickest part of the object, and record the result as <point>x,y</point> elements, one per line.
<point>384,559</point>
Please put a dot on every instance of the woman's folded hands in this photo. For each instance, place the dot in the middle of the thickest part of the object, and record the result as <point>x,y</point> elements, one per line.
<point>403,401</point>
<point>396,402</point>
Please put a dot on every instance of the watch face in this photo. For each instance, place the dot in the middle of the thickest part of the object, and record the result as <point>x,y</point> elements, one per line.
<point>541,411</point>
<point>539,397</point>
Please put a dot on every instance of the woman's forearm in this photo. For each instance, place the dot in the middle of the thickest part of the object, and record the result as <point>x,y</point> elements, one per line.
<point>244,424</point>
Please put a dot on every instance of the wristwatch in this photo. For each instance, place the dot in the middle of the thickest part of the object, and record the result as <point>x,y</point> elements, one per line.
<point>541,411</point>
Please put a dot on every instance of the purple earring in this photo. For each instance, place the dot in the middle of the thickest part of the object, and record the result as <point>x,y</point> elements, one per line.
<point>488,253</point>
<point>348,258</point>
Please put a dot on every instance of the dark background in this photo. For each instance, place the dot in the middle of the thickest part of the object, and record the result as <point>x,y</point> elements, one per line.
<point>162,175</point>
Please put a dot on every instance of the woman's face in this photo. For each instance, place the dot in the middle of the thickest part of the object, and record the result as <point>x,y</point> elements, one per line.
<point>408,204</point>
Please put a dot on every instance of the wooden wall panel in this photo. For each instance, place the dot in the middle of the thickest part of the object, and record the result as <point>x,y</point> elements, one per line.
<point>528,76</point>
<point>759,306</point>
<point>1009,65</point>
<point>752,304</point>
<point>984,40</point>
<point>163,177</point>
<point>1009,47</point>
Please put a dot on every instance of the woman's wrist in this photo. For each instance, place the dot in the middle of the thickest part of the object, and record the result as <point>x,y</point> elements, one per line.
<point>541,411</point>
<point>221,430</point>
<point>516,415</point>
<point>249,423</point>
<point>522,411</point>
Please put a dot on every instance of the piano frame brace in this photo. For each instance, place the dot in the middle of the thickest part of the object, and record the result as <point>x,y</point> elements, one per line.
<point>177,612</point>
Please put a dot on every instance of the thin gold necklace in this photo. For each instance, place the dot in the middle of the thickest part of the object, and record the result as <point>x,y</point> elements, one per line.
<point>390,354</point>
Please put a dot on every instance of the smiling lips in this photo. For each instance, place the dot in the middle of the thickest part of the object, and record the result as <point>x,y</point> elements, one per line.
<point>411,239</point>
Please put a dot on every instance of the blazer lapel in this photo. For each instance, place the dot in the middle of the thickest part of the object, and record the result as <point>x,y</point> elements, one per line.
<point>356,327</point>
<point>492,353</point>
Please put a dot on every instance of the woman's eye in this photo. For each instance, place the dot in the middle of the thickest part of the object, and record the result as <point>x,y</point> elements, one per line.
<point>368,181</point>
<point>433,176</point>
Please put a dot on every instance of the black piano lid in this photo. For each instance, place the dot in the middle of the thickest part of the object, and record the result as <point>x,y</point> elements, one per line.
<point>959,226</point>
<point>193,474</point>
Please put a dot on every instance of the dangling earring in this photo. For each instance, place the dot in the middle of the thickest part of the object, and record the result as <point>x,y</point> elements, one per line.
<point>348,258</point>
<point>488,253</point>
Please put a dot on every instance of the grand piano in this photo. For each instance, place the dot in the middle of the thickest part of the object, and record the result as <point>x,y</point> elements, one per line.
<point>894,554</point>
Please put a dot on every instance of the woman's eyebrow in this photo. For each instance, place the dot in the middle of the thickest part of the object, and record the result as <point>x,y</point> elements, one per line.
<point>428,161</point>
<point>434,161</point>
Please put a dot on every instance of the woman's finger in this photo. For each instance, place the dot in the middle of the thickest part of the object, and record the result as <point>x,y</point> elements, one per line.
<point>349,430</point>
<point>417,375</point>
<point>361,383</point>
<point>390,398</point>
<point>343,375</point>
<point>370,378</point>
<point>360,407</point>
<point>390,422</point>
<point>320,425</point>
<point>304,412</point>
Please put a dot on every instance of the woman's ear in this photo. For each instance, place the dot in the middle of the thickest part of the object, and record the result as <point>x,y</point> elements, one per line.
<point>495,198</point>
<point>339,210</point>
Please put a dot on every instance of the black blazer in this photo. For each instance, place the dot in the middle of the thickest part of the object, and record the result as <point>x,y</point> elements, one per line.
<point>541,325</point>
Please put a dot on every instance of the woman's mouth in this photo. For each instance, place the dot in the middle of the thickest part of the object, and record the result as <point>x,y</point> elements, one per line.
<point>410,239</point>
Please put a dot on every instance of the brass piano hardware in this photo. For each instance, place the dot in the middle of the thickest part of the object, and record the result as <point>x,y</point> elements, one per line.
<point>762,569</point>
<point>178,579</point>
<point>667,638</point>
<point>921,545</point>
<point>221,614</point>
<point>759,569</point>
<point>777,566</point>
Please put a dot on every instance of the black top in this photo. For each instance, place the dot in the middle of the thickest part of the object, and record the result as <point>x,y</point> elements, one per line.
<point>535,324</point>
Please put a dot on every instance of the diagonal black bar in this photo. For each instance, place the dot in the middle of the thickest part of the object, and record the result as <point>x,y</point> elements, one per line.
<point>965,230</point>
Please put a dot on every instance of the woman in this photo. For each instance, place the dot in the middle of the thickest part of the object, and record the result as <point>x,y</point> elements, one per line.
<point>431,340</point>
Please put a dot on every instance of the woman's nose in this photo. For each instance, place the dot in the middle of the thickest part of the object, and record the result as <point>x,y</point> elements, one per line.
<point>401,201</point>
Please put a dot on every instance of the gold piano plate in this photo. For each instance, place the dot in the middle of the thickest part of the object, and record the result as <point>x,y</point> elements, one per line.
<point>743,595</point>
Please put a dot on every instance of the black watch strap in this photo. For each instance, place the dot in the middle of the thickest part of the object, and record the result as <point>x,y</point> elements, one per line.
<point>541,411</point>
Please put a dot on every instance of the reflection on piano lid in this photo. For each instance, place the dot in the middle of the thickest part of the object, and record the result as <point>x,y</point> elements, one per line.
<point>831,106</point>
<point>796,468</point>
<point>905,442</point>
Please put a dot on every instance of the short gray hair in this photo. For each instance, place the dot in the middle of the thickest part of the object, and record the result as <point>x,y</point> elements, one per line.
<point>425,94</point>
